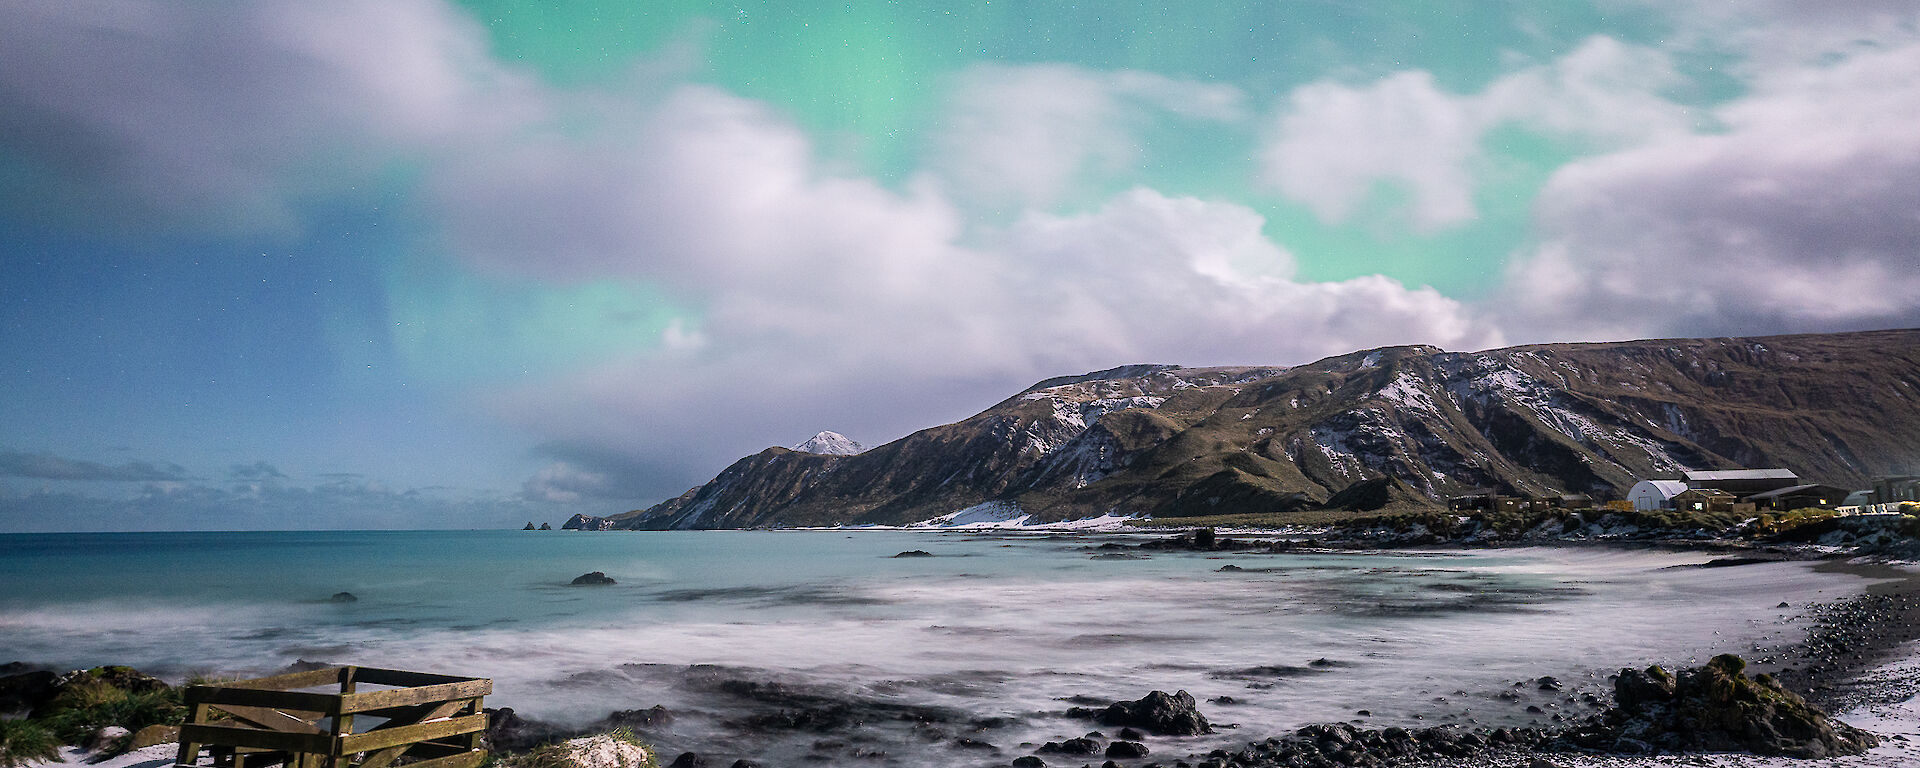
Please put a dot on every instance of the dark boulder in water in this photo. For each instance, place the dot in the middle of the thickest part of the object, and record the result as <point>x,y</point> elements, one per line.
<point>1717,708</point>
<point>656,717</point>
<point>1159,713</point>
<point>344,597</point>
<point>689,760</point>
<point>1126,750</point>
<point>590,579</point>
<point>1081,746</point>
<point>510,732</point>
<point>915,553</point>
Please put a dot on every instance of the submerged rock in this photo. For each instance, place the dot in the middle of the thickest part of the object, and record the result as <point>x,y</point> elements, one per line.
<point>1080,746</point>
<point>509,732</point>
<point>656,717</point>
<point>594,578</point>
<point>915,553</point>
<point>344,597</point>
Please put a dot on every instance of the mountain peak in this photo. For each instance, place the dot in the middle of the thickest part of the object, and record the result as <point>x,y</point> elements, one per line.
<point>831,444</point>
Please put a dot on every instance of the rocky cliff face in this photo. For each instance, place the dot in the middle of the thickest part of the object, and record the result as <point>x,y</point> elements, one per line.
<point>1407,424</point>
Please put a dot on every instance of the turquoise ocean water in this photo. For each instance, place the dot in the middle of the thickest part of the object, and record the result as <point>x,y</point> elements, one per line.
<point>1000,629</point>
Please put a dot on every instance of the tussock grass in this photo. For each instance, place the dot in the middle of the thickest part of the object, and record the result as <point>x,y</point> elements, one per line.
<point>24,741</point>
<point>86,707</point>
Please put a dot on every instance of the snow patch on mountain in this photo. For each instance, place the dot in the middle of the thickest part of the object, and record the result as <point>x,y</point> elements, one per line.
<point>1006,515</point>
<point>1506,383</point>
<point>831,444</point>
<point>1333,445</point>
<point>1405,392</point>
<point>1071,418</point>
<point>985,514</point>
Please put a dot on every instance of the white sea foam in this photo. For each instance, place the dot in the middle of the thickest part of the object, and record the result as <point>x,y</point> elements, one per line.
<point>991,625</point>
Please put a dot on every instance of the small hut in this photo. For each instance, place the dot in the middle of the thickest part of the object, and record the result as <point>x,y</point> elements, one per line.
<point>1799,497</point>
<point>1704,500</point>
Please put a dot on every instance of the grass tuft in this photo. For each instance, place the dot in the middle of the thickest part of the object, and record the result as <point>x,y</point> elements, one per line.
<point>23,742</point>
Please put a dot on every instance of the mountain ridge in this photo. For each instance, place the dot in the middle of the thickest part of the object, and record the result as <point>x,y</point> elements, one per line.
<point>1410,424</point>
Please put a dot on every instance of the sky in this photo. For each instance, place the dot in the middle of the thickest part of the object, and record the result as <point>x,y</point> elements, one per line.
<point>430,264</point>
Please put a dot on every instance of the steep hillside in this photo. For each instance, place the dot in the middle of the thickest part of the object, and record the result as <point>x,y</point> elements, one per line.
<point>1409,424</point>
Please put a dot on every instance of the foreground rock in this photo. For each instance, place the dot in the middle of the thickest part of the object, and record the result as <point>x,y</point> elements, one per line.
<point>1158,713</point>
<point>602,751</point>
<point>1717,708</point>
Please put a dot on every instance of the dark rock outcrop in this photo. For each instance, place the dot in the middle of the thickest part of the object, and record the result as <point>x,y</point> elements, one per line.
<point>592,579</point>
<point>654,717</point>
<point>914,553</point>
<point>343,597</point>
<point>1080,746</point>
<point>1126,750</point>
<point>26,691</point>
<point>1158,713</point>
<point>509,732</point>
<point>1717,708</point>
<point>584,523</point>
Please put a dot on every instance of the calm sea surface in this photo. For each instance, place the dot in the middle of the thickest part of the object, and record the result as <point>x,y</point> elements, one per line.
<point>992,635</point>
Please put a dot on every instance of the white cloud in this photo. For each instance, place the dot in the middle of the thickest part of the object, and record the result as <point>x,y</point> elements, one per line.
<point>1332,143</point>
<point>1146,277</point>
<point>1800,216</point>
<point>229,115</point>
<point>1022,136</point>
<point>814,299</point>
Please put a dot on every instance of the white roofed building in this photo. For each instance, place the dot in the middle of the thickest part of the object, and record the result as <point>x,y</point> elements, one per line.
<point>1655,494</point>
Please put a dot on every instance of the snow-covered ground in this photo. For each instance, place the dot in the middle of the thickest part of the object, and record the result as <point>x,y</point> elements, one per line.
<point>1007,516</point>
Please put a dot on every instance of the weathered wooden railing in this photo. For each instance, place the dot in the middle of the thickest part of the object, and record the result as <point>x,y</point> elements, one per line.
<point>435,721</point>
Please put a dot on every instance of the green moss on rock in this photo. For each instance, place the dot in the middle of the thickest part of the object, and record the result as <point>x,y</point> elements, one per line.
<point>1717,708</point>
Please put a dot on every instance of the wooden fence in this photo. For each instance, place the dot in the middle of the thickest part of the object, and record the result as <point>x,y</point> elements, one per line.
<point>309,720</point>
